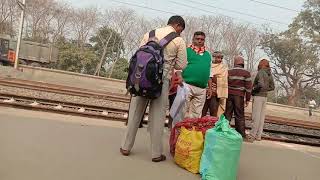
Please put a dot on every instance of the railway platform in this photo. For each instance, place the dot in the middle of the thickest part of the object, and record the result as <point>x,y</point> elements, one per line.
<point>40,145</point>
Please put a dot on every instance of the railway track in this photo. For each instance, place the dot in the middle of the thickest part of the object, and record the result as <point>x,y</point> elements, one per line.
<point>42,104</point>
<point>274,130</point>
<point>66,90</point>
<point>116,97</point>
<point>80,92</point>
<point>289,134</point>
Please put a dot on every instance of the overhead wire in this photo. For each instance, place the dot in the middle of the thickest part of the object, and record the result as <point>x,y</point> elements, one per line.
<point>273,5</point>
<point>204,10</point>
<point>144,7</point>
<point>169,12</point>
<point>190,6</point>
<point>238,12</point>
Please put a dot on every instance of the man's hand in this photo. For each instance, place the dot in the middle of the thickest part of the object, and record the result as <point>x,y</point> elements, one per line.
<point>246,103</point>
<point>179,78</point>
<point>179,81</point>
<point>209,93</point>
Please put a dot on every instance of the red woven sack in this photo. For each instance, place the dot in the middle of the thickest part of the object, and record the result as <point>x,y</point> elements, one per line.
<point>200,124</point>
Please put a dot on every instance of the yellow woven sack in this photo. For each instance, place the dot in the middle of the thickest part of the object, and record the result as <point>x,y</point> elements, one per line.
<point>189,149</point>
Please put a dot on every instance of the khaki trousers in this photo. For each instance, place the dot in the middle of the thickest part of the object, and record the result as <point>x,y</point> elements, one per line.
<point>222,106</point>
<point>195,102</point>
<point>157,116</point>
<point>258,116</point>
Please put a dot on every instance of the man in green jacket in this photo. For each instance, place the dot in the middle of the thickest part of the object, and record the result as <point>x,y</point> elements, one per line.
<point>197,75</point>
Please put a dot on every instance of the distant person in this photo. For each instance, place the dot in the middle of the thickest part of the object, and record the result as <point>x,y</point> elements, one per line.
<point>174,54</point>
<point>312,105</point>
<point>196,75</point>
<point>263,83</point>
<point>239,89</point>
<point>219,86</point>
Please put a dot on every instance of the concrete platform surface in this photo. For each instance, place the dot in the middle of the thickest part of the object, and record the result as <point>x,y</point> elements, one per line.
<point>47,146</point>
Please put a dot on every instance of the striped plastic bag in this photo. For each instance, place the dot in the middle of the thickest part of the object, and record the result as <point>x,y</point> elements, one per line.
<point>189,149</point>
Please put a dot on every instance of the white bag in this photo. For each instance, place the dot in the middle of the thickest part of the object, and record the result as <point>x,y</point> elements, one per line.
<point>178,104</point>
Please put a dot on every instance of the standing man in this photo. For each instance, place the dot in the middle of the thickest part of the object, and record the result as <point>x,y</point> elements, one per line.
<point>174,57</point>
<point>239,89</point>
<point>219,87</point>
<point>262,84</point>
<point>312,105</point>
<point>196,75</point>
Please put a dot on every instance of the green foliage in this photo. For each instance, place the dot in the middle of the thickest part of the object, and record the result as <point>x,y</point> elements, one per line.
<point>109,39</point>
<point>71,58</point>
<point>310,93</point>
<point>86,59</point>
<point>295,63</point>
<point>120,69</point>
<point>307,22</point>
<point>291,54</point>
<point>294,54</point>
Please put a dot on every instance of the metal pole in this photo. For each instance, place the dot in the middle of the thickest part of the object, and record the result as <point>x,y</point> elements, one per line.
<point>22,7</point>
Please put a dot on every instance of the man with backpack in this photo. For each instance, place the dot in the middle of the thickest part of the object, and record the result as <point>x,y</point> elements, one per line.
<point>197,75</point>
<point>148,81</point>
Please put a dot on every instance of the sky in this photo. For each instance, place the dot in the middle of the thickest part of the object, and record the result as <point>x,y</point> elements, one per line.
<point>248,11</point>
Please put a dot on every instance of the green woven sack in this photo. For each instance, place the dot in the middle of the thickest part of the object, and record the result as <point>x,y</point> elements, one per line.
<point>221,154</point>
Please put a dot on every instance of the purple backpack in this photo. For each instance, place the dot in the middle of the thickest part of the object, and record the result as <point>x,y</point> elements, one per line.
<point>146,68</point>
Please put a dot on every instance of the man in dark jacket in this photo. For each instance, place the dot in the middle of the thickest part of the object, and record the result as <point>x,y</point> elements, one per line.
<point>263,83</point>
<point>239,93</point>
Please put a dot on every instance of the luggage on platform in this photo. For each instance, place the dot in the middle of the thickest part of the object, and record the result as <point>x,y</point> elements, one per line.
<point>189,149</point>
<point>200,124</point>
<point>221,154</point>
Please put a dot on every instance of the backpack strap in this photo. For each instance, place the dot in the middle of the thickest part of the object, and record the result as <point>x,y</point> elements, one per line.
<point>166,40</point>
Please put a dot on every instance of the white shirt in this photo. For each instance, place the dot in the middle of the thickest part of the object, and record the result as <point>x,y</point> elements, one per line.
<point>312,103</point>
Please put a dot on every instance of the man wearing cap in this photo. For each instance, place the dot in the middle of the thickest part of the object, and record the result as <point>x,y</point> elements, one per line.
<point>239,94</point>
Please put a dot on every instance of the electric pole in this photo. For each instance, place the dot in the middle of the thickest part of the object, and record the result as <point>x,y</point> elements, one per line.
<point>22,6</point>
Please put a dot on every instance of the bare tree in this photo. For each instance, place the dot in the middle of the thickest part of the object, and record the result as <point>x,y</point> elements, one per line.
<point>39,14</point>
<point>134,39</point>
<point>250,45</point>
<point>142,26</point>
<point>122,22</point>
<point>233,37</point>
<point>62,17</point>
<point>84,21</point>
<point>193,24</point>
<point>8,15</point>
<point>44,19</point>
